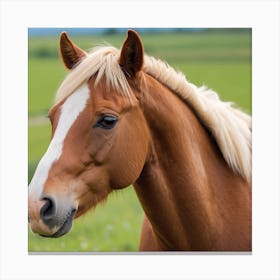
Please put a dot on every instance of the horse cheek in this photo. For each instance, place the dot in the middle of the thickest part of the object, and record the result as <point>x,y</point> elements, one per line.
<point>127,163</point>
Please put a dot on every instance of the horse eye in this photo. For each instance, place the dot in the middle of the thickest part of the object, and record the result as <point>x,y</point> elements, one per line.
<point>106,121</point>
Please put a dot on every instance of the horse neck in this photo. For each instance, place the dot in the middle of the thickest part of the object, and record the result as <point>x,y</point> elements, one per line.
<point>175,187</point>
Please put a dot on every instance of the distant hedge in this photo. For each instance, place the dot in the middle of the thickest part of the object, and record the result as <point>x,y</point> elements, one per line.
<point>43,52</point>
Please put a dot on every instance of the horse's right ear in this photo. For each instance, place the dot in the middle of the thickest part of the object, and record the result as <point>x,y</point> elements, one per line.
<point>70,53</point>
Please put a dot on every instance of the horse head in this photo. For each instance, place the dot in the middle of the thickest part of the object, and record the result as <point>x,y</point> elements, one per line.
<point>99,135</point>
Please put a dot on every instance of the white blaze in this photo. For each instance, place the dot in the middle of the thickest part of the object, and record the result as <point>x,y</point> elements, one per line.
<point>70,111</point>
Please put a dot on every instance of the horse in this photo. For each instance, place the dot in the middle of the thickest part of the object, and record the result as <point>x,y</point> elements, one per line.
<point>122,118</point>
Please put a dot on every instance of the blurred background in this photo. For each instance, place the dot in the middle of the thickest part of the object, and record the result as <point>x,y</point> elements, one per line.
<point>218,58</point>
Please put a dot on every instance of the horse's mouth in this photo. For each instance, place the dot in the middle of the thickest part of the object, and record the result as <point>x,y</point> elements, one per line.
<point>65,228</point>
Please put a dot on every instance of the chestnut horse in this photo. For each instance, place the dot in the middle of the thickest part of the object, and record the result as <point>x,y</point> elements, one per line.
<point>123,118</point>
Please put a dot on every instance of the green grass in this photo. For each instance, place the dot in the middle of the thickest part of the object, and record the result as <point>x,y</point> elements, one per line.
<point>45,76</point>
<point>231,80</point>
<point>220,60</point>
<point>39,138</point>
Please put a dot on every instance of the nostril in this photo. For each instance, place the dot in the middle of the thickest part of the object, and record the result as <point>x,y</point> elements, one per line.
<point>47,211</point>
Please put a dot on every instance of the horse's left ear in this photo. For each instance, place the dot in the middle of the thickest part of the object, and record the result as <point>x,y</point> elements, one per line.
<point>132,54</point>
<point>70,53</point>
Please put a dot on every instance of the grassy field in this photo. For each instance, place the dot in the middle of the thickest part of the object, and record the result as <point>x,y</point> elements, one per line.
<point>221,60</point>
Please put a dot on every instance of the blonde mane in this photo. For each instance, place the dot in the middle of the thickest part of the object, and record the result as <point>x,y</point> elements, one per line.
<point>230,127</point>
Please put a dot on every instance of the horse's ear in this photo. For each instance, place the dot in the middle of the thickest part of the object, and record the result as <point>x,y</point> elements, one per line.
<point>132,54</point>
<point>70,53</point>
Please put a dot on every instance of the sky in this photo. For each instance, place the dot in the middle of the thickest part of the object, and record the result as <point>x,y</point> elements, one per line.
<point>34,32</point>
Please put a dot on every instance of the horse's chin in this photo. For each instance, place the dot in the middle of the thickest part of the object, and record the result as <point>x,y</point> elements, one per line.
<point>64,229</point>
